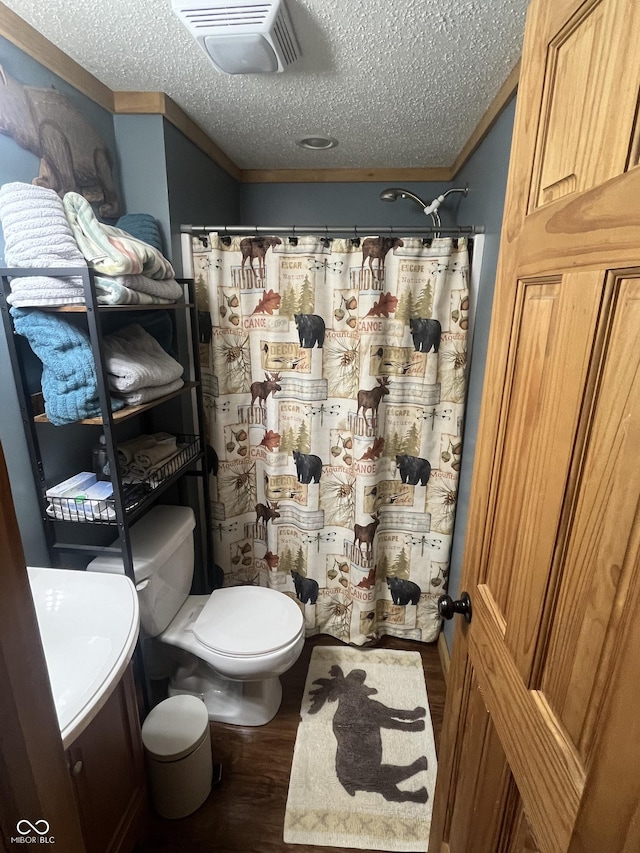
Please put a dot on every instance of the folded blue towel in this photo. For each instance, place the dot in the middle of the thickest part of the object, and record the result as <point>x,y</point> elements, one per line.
<point>69,382</point>
<point>143,227</point>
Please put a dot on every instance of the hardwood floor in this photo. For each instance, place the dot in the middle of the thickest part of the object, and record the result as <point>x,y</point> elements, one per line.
<point>245,812</point>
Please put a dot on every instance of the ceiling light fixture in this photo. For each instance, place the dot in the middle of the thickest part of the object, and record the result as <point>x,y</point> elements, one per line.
<point>317,142</point>
<point>241,36</point>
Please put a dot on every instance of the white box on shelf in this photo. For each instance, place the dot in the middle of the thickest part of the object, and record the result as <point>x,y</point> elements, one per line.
<point>75,485</point>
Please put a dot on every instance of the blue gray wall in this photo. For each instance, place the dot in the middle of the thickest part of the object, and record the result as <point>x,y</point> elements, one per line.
<point>165,174</point>
<point>198,190</point>
<point>335,204</point>
<point>140,141</point>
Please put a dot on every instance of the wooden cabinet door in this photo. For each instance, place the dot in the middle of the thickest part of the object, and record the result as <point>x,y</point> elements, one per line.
<point>541,740</point>
<point>107,766</point>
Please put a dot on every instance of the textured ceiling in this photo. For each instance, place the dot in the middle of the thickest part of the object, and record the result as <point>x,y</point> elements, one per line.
<point>399,85</point>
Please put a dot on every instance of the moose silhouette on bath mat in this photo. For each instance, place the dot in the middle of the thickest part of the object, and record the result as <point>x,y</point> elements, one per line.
<point>357,725</point>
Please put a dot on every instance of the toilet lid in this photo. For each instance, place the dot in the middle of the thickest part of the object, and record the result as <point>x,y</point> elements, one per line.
<point>248,620</point>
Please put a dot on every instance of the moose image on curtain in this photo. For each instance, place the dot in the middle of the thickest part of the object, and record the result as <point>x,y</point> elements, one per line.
<point>334,387</point>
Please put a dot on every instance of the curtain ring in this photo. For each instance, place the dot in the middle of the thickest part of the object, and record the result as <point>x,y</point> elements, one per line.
<point>293,240</point>
<point>356,239</point>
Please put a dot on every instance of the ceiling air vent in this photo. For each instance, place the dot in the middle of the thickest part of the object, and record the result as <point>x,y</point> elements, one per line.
<point>241,37</point>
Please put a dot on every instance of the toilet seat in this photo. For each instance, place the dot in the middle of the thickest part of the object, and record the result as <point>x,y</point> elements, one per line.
<point>246,621</point>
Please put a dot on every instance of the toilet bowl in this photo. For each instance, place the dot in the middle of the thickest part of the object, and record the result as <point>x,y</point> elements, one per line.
<point>237,642</point>
<point>228,648</point>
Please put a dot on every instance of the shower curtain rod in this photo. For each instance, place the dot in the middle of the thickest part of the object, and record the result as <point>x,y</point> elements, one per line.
<point>358,230</point>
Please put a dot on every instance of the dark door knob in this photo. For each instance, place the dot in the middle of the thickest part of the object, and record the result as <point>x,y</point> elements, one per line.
<point>448,608</point>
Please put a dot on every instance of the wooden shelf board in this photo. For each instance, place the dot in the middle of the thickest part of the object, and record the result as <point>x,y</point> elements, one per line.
<point>81,309</point>
<point>129,411</point>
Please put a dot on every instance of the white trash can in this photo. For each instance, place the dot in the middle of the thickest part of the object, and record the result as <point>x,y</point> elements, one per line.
<point>177,745</point>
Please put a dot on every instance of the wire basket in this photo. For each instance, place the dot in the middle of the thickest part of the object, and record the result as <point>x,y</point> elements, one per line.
<point>134,489</point>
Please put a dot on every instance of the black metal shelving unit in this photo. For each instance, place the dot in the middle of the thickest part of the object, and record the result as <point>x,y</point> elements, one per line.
<point>120,511</point>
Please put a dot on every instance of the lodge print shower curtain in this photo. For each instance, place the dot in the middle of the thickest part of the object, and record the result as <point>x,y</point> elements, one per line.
<point>334,389</point>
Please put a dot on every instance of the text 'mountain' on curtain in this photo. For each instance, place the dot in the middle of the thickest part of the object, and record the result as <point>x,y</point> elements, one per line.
<point>334,386</point>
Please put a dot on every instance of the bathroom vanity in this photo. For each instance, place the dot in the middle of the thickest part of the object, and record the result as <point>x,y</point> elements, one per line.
<point>107,768</point>
<point>89,626</point>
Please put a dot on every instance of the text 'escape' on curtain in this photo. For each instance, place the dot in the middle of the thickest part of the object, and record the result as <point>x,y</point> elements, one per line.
<point>334,387</point>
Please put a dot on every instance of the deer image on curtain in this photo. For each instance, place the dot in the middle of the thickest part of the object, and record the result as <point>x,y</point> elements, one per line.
<point>334,388</point>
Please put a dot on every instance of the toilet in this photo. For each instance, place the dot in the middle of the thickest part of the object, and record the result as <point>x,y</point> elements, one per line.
<point>228,648</point>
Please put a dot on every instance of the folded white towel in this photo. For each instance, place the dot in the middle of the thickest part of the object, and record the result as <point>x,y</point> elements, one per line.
<point>152,392</point>
<point>37,232</point>
<point>135,360</point>
<point>43,291</point>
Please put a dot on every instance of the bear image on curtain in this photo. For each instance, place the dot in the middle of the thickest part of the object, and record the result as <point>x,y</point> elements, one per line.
<point>334,387</point>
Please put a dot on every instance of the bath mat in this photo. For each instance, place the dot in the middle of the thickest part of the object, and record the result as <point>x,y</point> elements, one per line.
<point>364,763</point>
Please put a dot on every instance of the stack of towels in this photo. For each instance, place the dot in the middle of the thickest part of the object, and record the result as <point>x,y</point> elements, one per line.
<point>138,369</point>
<point>41,230</point>
<point>143,457</point>
<point>69,381</point>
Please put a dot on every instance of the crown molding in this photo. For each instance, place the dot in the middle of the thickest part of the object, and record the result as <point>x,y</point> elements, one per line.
<point>283,176</point>
<point>157,103</point>
<point>33,43</point>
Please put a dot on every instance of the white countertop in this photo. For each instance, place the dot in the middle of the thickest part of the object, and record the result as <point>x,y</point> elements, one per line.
<point>89,626</point>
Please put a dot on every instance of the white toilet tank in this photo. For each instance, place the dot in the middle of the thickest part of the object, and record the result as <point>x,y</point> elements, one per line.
<point>163,555</point>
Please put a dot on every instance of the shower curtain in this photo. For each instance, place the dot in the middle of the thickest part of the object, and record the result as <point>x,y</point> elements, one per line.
<point>334,386</point>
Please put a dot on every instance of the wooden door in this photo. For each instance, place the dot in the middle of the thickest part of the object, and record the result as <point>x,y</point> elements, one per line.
<point>541,739</point>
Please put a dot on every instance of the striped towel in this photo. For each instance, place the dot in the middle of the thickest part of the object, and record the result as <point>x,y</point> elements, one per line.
<point>110,250</point>
<point>166,289</point>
